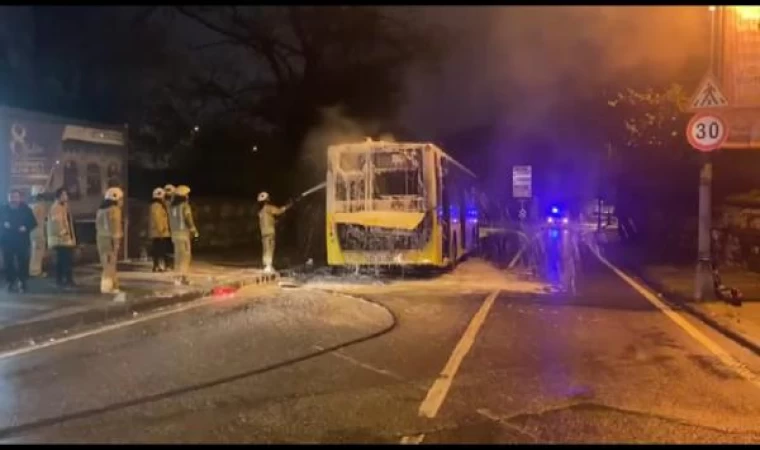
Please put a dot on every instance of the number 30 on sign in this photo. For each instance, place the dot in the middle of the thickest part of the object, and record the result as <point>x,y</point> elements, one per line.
<point>706,132</point>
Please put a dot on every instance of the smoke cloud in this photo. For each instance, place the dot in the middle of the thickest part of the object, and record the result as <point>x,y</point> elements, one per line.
<point>337,128</point>
<point>534,74</point>
<point>531,58</point>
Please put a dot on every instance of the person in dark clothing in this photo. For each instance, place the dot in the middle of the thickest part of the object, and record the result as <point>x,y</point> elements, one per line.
<point>17,223</point>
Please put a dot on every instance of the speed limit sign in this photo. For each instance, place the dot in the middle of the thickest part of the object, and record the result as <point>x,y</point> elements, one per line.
<point>706,132</point>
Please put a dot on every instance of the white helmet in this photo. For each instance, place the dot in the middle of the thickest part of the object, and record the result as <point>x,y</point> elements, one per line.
<point>264,196</point>
<point>169,189</point>
<point>159,193</point>
<point>114,194</point>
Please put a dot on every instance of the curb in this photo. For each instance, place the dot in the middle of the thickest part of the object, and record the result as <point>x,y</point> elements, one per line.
<point>35,329</point>
<point>680,302</point>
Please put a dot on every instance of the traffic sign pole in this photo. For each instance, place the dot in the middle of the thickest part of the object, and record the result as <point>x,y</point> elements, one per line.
<point>705,132</point>
<point>703,283</point>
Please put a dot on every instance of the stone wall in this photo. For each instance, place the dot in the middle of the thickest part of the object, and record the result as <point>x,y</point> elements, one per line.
<point>222,224</point>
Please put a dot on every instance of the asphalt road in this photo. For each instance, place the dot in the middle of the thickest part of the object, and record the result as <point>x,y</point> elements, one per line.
<point>604,365</point>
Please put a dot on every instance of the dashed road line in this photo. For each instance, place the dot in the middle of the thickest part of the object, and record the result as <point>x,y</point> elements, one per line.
<point>413,439</point>
<point>504,422</point>
<point>437,393</point>
<point>363,365</point>
<point>440,388</point>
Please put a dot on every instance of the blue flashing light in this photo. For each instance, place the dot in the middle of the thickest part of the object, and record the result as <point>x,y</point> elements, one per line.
<point>555,210</point>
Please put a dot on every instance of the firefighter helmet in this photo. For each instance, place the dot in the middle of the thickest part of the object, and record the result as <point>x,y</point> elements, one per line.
<point>114,193</point>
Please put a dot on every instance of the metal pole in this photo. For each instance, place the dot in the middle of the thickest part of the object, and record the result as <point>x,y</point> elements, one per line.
<point>703,288</point>
<point>712,37</point>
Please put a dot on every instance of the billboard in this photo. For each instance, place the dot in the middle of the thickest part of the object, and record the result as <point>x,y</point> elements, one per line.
<point>741,56</point>
<point>740,74</point>
<point>49,151</point>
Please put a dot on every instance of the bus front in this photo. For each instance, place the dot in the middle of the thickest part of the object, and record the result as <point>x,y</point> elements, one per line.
<point>380,198</point>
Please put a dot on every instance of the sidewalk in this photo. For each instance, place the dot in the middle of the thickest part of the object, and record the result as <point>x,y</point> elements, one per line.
<point>675,281</point>
<point>45,308</point>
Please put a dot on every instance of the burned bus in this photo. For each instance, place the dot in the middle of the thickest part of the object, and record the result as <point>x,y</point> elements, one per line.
<point>391,203</point>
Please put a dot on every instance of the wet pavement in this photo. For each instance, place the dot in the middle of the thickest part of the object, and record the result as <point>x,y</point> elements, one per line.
<point>45,300</point>
<point>282,366</point>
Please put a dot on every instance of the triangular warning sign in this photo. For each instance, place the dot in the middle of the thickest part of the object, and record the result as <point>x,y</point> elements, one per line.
<point>708,95</point>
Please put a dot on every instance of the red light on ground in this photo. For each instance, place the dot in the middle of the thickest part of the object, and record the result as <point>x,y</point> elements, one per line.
<point>223,292</point>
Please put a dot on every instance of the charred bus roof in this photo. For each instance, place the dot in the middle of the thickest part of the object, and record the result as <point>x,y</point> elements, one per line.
<point>385,146</point>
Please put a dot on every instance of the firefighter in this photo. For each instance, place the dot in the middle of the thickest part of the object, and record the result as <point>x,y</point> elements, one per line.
<point>268,214</point>
<point>168,245</point>
<point>159,230</point>
<point>62,238</point>
<point>183,230</point>
<point>40,207</point>
<point>109,232</point>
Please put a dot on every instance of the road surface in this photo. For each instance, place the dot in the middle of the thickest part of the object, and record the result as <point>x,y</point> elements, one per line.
<point>473,357</point>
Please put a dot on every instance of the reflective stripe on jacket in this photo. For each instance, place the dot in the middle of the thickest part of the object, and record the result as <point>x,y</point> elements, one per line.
<point>60,226</point>
<point>108,222</point>
<point>181,219</point>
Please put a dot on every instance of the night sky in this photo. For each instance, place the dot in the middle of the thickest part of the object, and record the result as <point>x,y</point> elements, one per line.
<point>521,84</point>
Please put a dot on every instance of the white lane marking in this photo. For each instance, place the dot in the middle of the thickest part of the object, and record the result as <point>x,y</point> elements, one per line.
<point>690,329</point>
<point>413,440</point>
<point>26,306</point>
<point>366,366</point>
<point>504,422</point>
<point>437,393</point>
<point>518,255</point>
<point>107,328</point>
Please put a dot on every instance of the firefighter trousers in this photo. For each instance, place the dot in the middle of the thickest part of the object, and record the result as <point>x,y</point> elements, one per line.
<point>108,251</point>
<point>183,255</point>
<point>38,256</point>
<point>267,249</point>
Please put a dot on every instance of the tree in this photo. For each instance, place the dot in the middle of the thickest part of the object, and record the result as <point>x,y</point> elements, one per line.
<point>282,66</point>
<point>652,120</point>
<point>649,158</point>
<point>107,65</point>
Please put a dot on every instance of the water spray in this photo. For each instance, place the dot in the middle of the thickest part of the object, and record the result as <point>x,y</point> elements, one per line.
<point>312,190</point>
